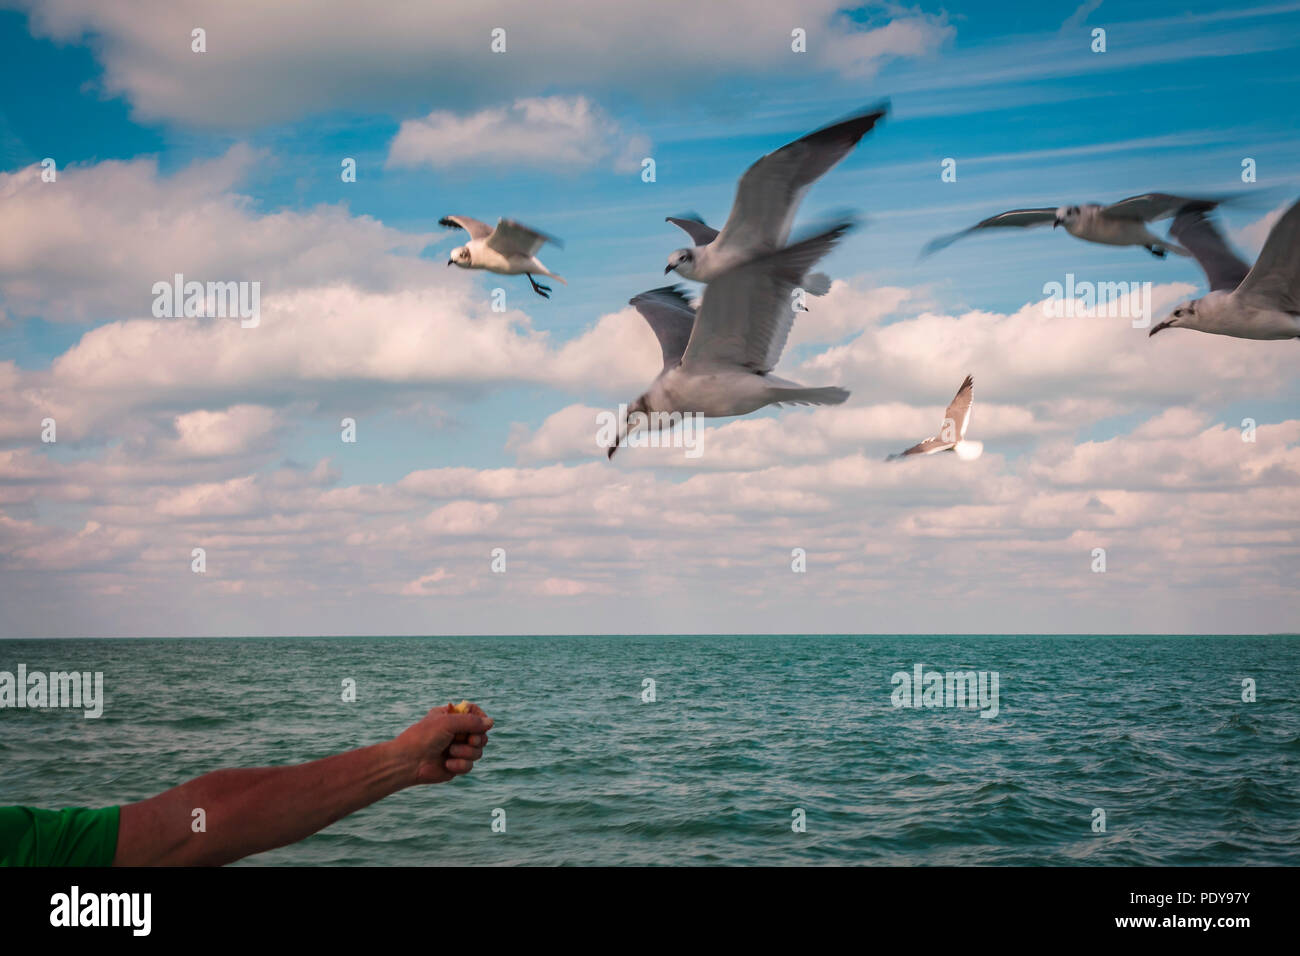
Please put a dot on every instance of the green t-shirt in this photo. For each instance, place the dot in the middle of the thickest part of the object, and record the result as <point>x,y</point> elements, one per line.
<point>72,837</point>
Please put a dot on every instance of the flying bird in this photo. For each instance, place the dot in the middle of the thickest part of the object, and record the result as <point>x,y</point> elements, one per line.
<point>509,249</point>
<point>767,198</point>
<point>1123,223</point>
<point>1260,303</point>
<point>952,433</point>
<point>718,361</point>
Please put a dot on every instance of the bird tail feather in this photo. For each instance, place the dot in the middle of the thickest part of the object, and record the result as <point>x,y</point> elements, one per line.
<point>830,395</point>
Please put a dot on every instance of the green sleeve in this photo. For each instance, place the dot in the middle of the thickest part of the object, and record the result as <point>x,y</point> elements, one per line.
<point>72,837</point>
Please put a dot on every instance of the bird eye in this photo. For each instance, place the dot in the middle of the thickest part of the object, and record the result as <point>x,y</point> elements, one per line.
<point>1177,313</point>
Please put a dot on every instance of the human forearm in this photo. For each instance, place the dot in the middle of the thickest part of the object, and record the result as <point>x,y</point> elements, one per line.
<point>252,810</point>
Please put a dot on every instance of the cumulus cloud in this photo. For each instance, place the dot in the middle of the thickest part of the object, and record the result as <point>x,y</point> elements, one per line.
<point>1192,511</point>
<point>566,435</point>
<point>757,442</point>
<point>231,431</point>
<point>274,62</point>
<point>547,132</point>
<point>183,427</point>
<point>1253,235</point>
<point>92,244</point>
<point>1088,357</point>
<point>427,585</point>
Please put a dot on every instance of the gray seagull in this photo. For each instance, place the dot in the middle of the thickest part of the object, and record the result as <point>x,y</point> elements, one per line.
<point>767,198</point>
<point>1123,223</point>
<point>509,249</point>
<point>1259,302</point>
<point>718,361</point>
<point>952,433</point>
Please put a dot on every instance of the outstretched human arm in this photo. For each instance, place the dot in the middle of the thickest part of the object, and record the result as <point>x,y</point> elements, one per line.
<point>253,810</point>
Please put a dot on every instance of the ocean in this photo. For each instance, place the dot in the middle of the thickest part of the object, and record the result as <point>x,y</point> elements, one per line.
<point>745,738</point>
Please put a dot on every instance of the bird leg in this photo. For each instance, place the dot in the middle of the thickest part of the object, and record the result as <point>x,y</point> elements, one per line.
<point>543,290</point>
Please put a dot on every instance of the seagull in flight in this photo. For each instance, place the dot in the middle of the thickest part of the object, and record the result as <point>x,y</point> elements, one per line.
<point>509,249</point>
<point>952,433</point>
<point>1123,223</point>
<point>718,361</point>
<point>767,198</point>
<point>1259,302</point>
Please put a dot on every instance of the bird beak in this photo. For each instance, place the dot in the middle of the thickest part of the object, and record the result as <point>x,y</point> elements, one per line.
<point>625,430</point>
<point>450,261</point>
<point>668,269</point>
<point>1157,328</point>
<point>1055,223</point>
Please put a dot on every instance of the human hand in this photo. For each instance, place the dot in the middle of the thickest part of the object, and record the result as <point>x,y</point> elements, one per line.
<point>444,744</point>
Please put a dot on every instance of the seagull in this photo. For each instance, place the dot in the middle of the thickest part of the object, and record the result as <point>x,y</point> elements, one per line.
<point>952,434</point>
<point>1123,223</point>
<point>1262,302</point>
<point>509,249</point>
<point>718,361</point>
<point>767,197</point>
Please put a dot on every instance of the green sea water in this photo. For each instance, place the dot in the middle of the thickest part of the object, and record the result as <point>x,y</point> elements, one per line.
<point>743,733</point>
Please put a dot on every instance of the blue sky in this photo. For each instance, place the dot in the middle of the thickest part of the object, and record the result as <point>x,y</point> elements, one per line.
<point>1032,116</point>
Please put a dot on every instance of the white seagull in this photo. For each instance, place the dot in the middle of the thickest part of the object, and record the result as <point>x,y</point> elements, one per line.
<point>767,198</point>
<point>509,249</point>
<point>1123,223</point>
<point>952,433</point>
<point>717,361</point>
<point>1264,304</point>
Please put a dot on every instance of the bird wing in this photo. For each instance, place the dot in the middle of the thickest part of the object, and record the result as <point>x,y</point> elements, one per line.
<point>1196,233</point>
<point>745,316</point>
<point>476,229</point>
<point>700,234</point>
<point>1275,278</point>
<point>511,238</point>
<point>671,318</point>
<point>927,447</point>
<point>959,408</point>
<point>1024,218</point>
<point>770,191</point>
<point>1151,206</point>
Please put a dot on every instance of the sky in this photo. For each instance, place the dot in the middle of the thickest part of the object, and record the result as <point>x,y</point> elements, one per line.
<point>476,426</point>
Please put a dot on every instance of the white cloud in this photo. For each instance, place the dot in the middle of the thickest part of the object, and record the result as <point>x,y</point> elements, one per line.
<point>210,434</point>
<point>92,244</point>
<point>461,517</point>
<point>184,424</point>
<point>545,132</point>
<point>788,436</point>
<point>1253,235</point>
<point>1089,359</point>
<point>427,585</point>
<point>275,62</point>
<point>1190,514</point>
<point>566,435</point>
